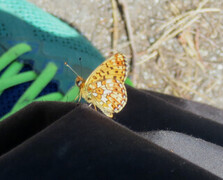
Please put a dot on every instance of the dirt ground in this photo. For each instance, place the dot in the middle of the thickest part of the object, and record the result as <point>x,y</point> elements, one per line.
<point>175,46</point>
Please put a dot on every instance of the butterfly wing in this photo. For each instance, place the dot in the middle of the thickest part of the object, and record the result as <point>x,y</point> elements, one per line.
<point>116,67</point>
<point>106,85</point>
<point>108,95</point>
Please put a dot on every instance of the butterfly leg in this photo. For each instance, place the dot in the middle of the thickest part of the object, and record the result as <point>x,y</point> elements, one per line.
<point>94,106</point>
<point>76,98</point>
<point>79,98</point>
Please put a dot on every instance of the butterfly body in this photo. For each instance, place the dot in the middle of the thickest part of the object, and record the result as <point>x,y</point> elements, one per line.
<point>105,87</point>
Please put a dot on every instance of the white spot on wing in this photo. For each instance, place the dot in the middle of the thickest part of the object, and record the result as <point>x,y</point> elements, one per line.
<point>110,105</point>
<point>95,94</point>
<point>108,81</point>
<point>106,91</point>
<point>91,86</point>
<point>104,99</point>
<point>99,84</point>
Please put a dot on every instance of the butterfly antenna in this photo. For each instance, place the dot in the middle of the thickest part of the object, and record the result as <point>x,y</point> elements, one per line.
<point>71,68</point>
<point>81,66</point>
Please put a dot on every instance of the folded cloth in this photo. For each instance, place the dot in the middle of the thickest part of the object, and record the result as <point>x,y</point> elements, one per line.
<point>156,136</point>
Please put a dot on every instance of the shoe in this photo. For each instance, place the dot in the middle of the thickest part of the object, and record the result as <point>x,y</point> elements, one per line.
<point>34,46</point>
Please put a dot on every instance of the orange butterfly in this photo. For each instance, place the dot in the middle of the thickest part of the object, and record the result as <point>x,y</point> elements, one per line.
<point>105,87</point>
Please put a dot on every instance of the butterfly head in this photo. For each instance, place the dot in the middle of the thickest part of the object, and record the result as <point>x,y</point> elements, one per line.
<point>80,82</point>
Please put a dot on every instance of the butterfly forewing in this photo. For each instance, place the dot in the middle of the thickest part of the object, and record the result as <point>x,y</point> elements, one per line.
<point>115,67</point>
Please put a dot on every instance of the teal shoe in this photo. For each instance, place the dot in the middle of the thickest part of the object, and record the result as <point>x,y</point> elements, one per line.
<point>34,46</point>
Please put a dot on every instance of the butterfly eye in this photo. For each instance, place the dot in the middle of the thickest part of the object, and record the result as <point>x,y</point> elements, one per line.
<point>78,83</point>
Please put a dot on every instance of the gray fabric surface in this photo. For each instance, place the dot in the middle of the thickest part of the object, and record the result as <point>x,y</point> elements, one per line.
<point>196,150</point>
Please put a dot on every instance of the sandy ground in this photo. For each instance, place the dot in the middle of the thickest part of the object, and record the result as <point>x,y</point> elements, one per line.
<point>177,44</point>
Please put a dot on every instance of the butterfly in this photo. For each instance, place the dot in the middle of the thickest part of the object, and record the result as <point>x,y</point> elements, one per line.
<point>105,88</point>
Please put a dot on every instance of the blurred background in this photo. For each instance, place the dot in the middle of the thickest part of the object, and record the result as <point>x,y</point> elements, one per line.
<point>174,47</point>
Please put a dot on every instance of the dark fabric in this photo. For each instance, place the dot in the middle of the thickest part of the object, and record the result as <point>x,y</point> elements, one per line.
<point>155,137</point>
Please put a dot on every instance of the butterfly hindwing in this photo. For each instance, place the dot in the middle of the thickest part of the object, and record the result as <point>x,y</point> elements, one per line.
<point>108,95</point>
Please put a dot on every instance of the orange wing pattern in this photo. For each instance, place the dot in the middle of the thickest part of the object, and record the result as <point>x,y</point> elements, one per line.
<point>105,87</point>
